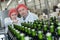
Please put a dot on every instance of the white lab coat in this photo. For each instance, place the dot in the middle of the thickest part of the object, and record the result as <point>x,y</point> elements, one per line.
<point>31,17</point>
<point>8,21</point>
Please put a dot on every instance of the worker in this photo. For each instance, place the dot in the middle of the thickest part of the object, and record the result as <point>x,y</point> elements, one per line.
<point>58,15</point>
<point>54,12</point>
<point>26,15</point>
<point>12,19</point>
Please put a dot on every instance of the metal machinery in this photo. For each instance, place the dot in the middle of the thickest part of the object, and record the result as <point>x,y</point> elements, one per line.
<point>36,7</point>
<point>3,15</point>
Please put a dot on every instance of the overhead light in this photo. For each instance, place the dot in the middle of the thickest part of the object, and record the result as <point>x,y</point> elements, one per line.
<point>9,2</point>
<point>20,1</point>
<point>29,1</point>
<point>58,5</point>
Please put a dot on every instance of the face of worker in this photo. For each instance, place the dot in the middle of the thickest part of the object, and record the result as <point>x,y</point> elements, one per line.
<point>13,16</point>
<point>22,11</point>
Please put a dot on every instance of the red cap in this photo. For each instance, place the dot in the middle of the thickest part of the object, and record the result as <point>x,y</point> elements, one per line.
<point>12,10</point>
<point>21,5</point>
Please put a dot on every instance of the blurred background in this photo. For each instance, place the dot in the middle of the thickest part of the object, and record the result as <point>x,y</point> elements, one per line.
<point>36,6</point>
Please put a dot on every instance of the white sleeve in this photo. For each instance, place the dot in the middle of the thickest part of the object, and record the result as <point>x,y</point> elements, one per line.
<point>6,26</point>
<point>32,18</point>
<point>35,17</point>
<point>6,23</point>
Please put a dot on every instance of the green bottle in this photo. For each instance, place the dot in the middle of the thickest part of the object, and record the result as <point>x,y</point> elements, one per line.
<point>25,24</point>
<point>39,26</point>
<point>27,38</point>
<point>58,31</point>
<point>46,23</point>
<point>57,21</point>
<point>29,31</point>
<point>49,36</point>
<point>14,32</point>
<point>22,28</point>
<point>40,35</point>
<point>45,28</point>
<point>51,18</point>
<point>17,27</point>
<point>34,25</point>
<point>52,23</point>
<point>58,24</point>
<point>22,36</point>
<point>17,34</point>
<point>30,24</point>
<point>52,29</point>
<point>26,29</point>
<point>36,22</point>
<point>9,28</point>
<point>33,32</point>
<point>54,18</point>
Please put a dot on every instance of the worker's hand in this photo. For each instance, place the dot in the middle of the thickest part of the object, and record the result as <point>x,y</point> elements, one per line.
<point>15,21</point>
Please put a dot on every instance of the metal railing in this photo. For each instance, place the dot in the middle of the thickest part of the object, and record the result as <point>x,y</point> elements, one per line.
<point>10,2</point>
<point>0,5</point>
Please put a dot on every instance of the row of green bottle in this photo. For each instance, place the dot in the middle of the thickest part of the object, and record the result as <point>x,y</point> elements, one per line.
<point>16,33</point>
<point>40,33</point>
<point>26,30</point>
<point>40,28</point>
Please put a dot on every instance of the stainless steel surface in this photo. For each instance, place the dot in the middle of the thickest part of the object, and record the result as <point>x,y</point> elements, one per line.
<point>11,36</point>
<point>3,15</point>
<point>2,31</point>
